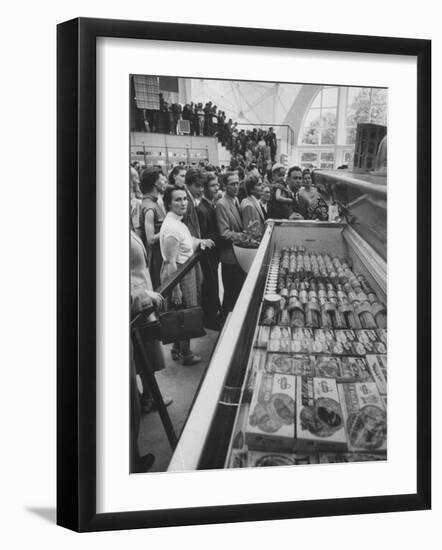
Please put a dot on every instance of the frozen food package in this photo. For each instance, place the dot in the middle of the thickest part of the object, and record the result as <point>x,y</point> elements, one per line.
<point>365,417</point>
<point>319,417</point>
<point>271,422</point>
<point>377,365</point>
<point>265,458</point>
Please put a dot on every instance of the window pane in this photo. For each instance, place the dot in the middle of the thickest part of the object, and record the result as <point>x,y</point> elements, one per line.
<point>351,136</point>
<point>379,96</point>
<point>327,157</point>
<point>358,107</point>
<point>327,165</point>
<point>379,114</point>
<point>328,135</point>
<point>328,117</point>
<point>348,157</point>
<point>312,118</point>
<point>311,136</point>
<point>317,101</point>
<point>329,97</point>
<point>309,157</point>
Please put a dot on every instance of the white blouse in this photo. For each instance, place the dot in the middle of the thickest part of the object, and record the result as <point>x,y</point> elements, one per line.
<point>172,226</point>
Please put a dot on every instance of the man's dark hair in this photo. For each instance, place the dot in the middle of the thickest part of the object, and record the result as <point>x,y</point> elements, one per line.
<point>293,169</point>
<point>228,175</point>
<point>208,177</point>
<point>148,179</point>
<point>193,176</point>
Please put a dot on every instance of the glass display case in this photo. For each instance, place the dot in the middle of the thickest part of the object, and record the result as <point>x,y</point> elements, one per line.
<point>349,258</point>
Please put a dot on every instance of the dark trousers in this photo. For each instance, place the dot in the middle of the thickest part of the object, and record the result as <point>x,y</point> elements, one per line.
<point>233,278</point>
<point>210,289</point>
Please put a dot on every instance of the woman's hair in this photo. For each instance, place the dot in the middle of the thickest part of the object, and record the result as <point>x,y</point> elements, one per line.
<point>306,171</point>
<point>168,195</point>
<point>175,170</point>
<point>148,179</point>
<point>250,183</point>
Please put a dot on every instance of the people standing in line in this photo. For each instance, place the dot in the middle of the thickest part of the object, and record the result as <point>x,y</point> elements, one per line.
<point>177,246</point>
<point>152,214</point>
<point>209,263</point>
<point>230,226</point>
<point>282,197</point>
<point>251,209</point>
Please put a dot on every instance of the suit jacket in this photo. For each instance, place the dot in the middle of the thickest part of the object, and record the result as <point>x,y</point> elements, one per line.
<point>207,221</point>
<point>229,222</point>
<point>251,211</point>
<point>190,218</point>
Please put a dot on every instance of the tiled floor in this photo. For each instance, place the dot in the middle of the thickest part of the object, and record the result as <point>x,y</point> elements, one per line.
<point>179,383</point>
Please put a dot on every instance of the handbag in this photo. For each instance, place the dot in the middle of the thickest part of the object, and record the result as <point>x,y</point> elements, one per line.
<point>181,324</point>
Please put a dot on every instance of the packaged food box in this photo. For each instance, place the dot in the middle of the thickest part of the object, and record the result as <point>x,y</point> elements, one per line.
<point>354,369</point>
<point>263,336</point>
<point>377,365</point>
<point>302,334</point>
<point>262,458</point>
<point>365,417</point>
<point>302,346</point>
<point>295,365</point>
<point>382,335</point>
<point>336,458</point>
<point>319,417</point>
<point>343,335</point>
<point>284,345</point>
<point>343,344</point>
<point>280,333</point>
<point>327,366</point>
<point>271,422</point>
<point>366,335</point>
<point>324,340</point>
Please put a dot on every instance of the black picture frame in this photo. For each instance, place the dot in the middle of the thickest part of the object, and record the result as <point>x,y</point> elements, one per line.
<point>76,273</point>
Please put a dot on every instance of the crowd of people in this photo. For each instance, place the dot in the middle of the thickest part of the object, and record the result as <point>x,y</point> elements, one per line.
<point>203,209</point>
<point>256,146</point>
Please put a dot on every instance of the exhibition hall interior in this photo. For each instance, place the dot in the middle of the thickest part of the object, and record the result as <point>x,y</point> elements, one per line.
<point>258,274</point>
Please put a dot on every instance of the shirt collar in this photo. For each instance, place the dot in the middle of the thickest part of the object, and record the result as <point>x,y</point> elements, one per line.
<point>174,216</point>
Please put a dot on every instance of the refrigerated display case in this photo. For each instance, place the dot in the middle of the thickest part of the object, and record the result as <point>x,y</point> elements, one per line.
<point>213,435</point>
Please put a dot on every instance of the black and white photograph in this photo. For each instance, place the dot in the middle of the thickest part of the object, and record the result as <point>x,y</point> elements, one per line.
<point>258,274</point>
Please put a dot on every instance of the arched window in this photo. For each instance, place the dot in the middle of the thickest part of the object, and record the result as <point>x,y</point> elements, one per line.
<point>319,126</point>
<point>328,130</point>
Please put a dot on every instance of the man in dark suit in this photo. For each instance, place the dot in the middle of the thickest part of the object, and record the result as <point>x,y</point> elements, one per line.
<point>229,221</point>
<point>194,190</point>
<point>210,261</point>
